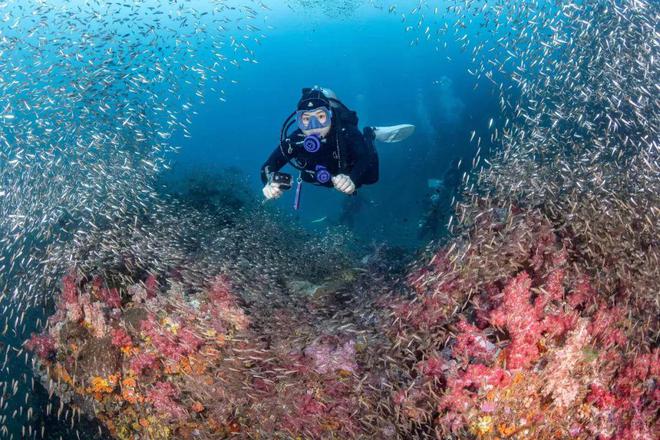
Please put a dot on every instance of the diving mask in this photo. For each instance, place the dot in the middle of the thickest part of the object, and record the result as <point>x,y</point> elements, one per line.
<point>320,117</point>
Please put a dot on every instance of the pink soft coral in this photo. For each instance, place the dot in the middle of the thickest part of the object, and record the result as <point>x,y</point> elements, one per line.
<point>189,340</point>
<point>224,306</point>
<point>69,289</point>
<point>151,286</point>
<point>431,367</point>
<point>120,338</point>
<point>604,326</point>
<point>42,345</point>
<point>327,357</point>
<point>169,346</point>
<point>601,397</point>
<point>471,343</point>
<point>110,297</point>
<point>69,300</point>
<point>562,378</point>
<point>94,315</point>
<point>162,396</point>
<point>143,361</point>
<point>519,317</point>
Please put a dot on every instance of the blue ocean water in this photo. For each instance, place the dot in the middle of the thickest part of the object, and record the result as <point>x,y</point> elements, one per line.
<point>368,60</point>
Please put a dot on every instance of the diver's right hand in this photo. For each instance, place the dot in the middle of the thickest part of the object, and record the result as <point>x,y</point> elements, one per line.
<point>272,191</point>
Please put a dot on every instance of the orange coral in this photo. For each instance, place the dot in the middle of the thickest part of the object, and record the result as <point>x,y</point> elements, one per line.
<point>172,368</point>
<point>197,365</point>
<point>129,392</point>
<point>184,366</point>
<point>233,427</point>
<point>506,430</point>
<point>101,386</point>
<point>61,373</point>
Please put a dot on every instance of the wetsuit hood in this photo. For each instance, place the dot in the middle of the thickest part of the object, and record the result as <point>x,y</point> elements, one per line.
<point>313,99</point>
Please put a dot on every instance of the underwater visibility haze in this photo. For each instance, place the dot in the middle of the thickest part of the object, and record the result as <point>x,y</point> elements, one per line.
<point>299,219</point>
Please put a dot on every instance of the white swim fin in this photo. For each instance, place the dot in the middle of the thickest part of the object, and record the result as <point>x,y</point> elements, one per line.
<point>395,133</point>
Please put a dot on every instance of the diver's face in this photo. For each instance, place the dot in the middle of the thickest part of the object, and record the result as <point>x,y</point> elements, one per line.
<point>320,114</point>
<point>322,117</point>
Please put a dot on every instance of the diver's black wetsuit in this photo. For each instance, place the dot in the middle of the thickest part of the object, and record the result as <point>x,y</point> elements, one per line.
<point>343,151</point>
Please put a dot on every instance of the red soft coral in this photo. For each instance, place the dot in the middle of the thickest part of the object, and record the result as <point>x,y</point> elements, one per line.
<point>42,345</point>
<point>472,344</point>
<point>110,297</point>
<point>120,338</point>
<point>152,286</point>
<point>143,361</point>
<point>604,326</point>
<point>162,396</point>
<point>69,289</point>
<point>431,367</point>
<point>520,318</point>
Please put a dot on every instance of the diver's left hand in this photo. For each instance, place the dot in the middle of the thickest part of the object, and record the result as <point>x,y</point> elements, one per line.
<point>343,183</point>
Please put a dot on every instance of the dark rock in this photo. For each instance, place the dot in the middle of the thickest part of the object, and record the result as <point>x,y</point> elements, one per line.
<point>74,332</point>
<point>133,317</point>
<point>98,357</point>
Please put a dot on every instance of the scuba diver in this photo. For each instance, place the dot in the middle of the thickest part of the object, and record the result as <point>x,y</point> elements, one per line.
<point>326,147</point>
<point>438,209</point>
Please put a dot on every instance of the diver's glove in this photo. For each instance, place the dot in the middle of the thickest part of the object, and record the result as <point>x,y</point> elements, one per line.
<point>272,191</point>
<point>343,183</point>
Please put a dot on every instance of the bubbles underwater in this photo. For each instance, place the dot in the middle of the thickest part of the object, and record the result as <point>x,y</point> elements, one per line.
<point>93,93</point>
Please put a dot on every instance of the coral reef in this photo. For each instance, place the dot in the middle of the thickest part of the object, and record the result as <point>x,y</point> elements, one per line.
<point>499,334</point>
<point>526,349</point>
<point>170,364</point>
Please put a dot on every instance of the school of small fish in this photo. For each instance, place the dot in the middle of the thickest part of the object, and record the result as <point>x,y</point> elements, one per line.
<point>578,131</point>
<point>93,92</point>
